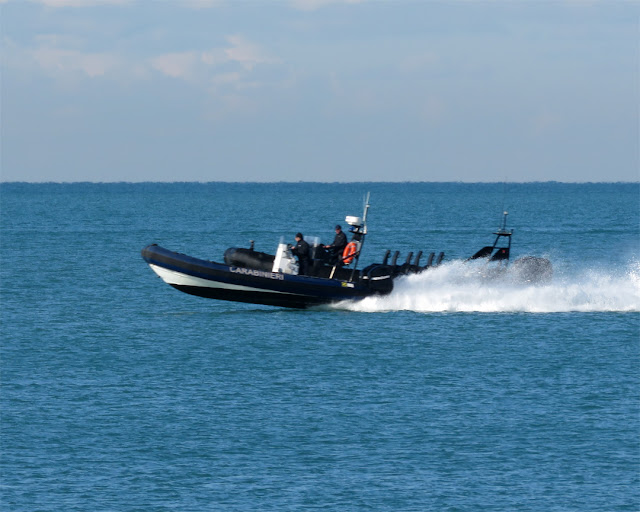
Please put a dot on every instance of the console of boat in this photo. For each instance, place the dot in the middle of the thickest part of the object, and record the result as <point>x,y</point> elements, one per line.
<point>260,278</point>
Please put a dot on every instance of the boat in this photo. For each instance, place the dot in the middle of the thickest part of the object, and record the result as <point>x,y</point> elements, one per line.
<point>527,269</point>
<point>255,277</point>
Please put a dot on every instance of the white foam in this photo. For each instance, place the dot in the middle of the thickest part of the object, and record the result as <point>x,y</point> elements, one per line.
<point>460,287</point>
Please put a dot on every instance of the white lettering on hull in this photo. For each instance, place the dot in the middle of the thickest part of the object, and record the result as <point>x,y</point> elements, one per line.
<point>178,278</point>
<point>257,273</point>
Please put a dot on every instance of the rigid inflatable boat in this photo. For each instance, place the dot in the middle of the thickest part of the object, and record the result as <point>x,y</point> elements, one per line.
<point>259,278</point>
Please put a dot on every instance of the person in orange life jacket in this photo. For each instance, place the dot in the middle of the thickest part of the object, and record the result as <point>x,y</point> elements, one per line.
<point>302,251</point>
<point>338,245</point>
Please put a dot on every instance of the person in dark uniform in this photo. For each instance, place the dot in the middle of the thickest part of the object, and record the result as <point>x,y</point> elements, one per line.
<point>302,251</point>
<point>338,245</point>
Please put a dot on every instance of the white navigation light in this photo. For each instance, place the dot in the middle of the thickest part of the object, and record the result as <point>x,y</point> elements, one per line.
<point>353,221</point>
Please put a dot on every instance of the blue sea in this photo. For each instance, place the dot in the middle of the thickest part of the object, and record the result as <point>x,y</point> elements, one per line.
<point>119,393</point>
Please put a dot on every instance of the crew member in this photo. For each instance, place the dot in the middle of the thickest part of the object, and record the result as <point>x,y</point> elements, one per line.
<point>302,251</point>
<point>338,245</point>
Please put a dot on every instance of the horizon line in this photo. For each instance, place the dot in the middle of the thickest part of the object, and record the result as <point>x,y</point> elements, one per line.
<point>284,182</point>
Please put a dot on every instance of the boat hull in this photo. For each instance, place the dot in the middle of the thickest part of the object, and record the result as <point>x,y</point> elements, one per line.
<point>226,282</point>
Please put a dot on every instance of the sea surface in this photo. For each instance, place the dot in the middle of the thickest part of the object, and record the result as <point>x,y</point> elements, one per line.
<point>119,393</point>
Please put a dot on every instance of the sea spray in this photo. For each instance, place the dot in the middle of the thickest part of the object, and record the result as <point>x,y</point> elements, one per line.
<point>460,287</point>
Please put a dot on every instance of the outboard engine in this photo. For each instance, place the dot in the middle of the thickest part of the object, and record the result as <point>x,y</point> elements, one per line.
<point>379,277</point>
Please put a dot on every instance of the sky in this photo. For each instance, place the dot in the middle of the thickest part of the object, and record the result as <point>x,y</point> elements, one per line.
<point>320,90</point>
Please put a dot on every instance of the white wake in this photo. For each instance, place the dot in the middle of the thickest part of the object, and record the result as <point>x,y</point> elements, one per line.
<point>460,287</point>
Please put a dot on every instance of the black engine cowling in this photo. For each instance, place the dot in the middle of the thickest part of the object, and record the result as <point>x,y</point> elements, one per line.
<point>379,278</point>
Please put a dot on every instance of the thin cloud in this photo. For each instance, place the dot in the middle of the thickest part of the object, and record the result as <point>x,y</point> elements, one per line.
<point>91,64</point>
<point>228,75</point>
<point>245,53</point>
<point>81,3</point>
<point>312,5</point>
<point>177,65</point>
<point>202,4</point>
<point>190,65</point>
<point>62,57</point>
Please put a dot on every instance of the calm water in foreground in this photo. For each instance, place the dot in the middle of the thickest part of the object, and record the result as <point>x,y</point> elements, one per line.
<point>119,393</point>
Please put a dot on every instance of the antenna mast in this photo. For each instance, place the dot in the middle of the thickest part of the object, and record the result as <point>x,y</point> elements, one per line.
<point>366,210</point>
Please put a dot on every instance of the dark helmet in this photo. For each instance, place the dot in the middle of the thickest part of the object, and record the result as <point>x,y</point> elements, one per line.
<point>299,235</point>
<point>338,227</point>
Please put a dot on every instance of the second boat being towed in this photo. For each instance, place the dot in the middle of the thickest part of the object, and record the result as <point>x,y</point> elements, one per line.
<point>259,278</point>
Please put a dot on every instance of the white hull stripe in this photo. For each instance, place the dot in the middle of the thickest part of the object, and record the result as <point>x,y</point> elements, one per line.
<point>179,279</point>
